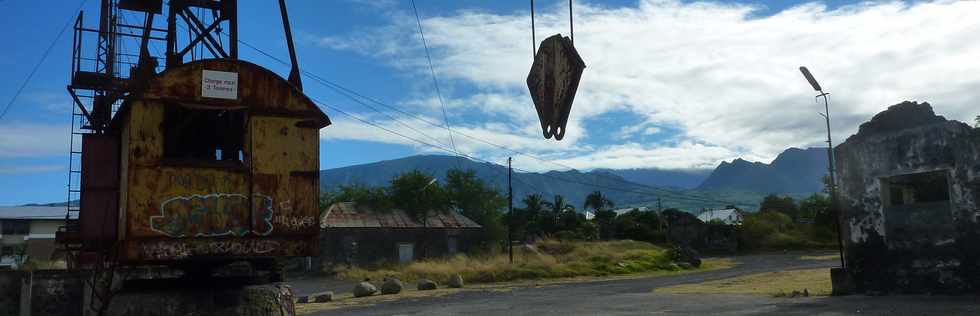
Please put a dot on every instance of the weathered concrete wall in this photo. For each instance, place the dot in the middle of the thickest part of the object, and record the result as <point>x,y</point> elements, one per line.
<point>41,293</point>
<point>915,247</point>
<point>57,292</point>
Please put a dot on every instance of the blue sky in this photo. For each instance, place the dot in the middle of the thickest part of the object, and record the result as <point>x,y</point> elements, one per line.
<point>668,84</point>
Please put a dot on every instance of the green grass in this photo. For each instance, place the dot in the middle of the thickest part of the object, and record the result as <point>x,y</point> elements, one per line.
<point>547,260</point>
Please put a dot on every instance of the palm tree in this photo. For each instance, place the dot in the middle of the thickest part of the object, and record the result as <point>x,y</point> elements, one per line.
<point>559,205</point>
<point>603,217</point>
<point>596,201</point>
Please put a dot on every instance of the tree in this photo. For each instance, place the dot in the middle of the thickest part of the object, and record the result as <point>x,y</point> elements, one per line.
<point>817,207</point>
<point>477,201</point>
<point>530,218</point>
<point>639,225</point>
<point>596,201</point>
<point>603,217</point>
<point>785,205</point>
<point>377,199</point>
<point>977,120</point>
<point>420,196</point>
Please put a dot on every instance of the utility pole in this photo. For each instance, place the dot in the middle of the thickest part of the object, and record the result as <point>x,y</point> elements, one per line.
<point>510,212</point>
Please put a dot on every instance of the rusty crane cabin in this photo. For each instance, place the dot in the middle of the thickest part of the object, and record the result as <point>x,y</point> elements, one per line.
<point>216,158</point>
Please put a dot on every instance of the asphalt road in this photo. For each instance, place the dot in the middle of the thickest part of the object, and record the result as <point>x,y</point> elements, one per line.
<point>635,297</point>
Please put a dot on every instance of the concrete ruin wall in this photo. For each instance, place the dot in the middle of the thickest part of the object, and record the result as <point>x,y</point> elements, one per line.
<point>917,247</point>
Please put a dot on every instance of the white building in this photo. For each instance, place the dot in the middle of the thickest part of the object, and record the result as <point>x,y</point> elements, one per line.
<point>728,216</point>
<point>27,232</point>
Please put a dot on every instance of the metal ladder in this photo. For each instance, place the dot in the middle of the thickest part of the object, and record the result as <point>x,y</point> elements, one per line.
<point>78,122</point>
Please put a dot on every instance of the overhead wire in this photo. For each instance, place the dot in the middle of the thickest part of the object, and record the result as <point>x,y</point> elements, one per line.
<point>44,56</point>
<point>435,81</point>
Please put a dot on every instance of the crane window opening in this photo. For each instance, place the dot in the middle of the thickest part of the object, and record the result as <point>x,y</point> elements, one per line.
<point>204,134</point>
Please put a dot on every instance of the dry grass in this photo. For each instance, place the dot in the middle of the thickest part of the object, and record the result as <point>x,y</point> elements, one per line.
<point>32,265</point>
<point>781,283</point>
<point>826,257</point>
<point>547,260</point>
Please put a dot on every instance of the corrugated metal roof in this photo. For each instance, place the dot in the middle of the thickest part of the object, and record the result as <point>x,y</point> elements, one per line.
<point>349,215</point>
<point>728,216</point>
<point>33,212</point>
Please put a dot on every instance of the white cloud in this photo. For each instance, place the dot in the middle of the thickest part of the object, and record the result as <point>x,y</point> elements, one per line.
<point>724,76</point>
<point>27,139</point>
<point>25,169</point>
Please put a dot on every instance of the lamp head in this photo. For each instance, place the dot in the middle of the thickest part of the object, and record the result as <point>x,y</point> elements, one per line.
<point>809,77</point>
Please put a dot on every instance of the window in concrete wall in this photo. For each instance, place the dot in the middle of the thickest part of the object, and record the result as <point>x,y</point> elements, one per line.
<point>917,207</point>
<point>916,188</point>
<point>203,134</point>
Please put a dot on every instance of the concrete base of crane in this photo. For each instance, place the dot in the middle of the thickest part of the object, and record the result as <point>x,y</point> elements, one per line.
<point>248,300</point>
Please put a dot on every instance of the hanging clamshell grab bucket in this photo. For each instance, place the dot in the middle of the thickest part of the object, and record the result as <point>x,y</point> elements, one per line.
<point>553,81</point>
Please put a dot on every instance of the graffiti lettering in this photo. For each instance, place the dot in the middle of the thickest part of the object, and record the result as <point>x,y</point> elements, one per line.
<point>212,215</point>
<point>165,250</point>
<point>241,247</point>
<point>294,222</point>
<point>183,249</point>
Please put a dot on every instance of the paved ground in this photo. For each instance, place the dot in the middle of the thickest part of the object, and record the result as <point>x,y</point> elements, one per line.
<point>634,296</point>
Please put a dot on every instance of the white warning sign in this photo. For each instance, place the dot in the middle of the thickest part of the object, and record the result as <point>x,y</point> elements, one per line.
<point>219,84</point>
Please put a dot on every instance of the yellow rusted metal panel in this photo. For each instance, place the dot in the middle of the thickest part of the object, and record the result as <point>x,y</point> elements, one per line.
<point>145,133</point>
<point>280,147</point>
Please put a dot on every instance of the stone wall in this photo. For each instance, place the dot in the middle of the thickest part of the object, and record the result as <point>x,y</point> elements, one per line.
<point>909,184</point>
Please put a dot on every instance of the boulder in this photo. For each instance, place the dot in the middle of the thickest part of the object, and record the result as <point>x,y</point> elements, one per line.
<point>456,281</point>
<point>364,289</point>
<point>426,284</point>
<point>392,286</point>
<point>321,297</point>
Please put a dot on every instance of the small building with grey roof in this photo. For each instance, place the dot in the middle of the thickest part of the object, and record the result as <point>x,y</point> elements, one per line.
<point>357,234</point>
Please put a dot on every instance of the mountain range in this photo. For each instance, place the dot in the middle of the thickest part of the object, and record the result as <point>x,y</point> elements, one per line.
<point>794,172</point>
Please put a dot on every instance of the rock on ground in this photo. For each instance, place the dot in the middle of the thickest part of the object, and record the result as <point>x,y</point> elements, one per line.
<point>364,289</point>
<point>426,284</point>
<point>456,281</point>
<point>392,286</point>
<point>321,297</point>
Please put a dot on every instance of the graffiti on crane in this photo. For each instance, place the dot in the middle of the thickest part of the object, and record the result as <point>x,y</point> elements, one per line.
<point>214,215</point>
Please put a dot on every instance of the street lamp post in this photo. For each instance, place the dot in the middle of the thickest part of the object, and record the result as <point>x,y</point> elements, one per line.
<point>830,161</point>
